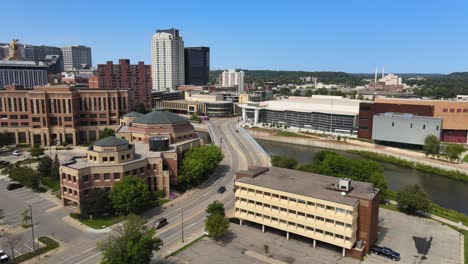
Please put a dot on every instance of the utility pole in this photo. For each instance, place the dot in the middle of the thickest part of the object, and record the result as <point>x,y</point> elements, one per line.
<point>32,228</point>
<point>182,211</point>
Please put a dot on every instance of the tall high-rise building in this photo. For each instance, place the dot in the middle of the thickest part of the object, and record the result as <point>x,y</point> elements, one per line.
<point>234,78</point>
<point>136,78</point>
<point>167,52</point>
<point>50,55</point>
<point>197,65</point>
<point>74,57</point>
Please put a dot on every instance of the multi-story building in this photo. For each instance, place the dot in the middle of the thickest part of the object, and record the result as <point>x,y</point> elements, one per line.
<point>233,78</point>
<point>157,96</point>
<point>321,114</point>
<point>167,52</point>
<point>26,73</point>
<point>136,78</point>
<point>25,50</point>
<point>197,65</point>
<point>159,140</point>
<point>336,211</point>
<point>50,55</point>
<point>454,115</point>
<point>404,129</point>
<point>199,103</point>
<point>57,114</point>
<point>75,57</point>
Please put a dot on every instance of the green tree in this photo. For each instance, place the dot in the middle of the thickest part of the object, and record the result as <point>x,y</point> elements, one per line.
<point>25,219</point>
<point>199,163</point>
<point>431,145</point>
<point>195,117</point>
<point>454,151</point>
<point>5,139</point>
<point>55,168</point>
<point>133,244</point>
<point>44,166</point>
<point>129,195</point>
<point>284,162</point>
<point>216,225</point>
<point>26,176</point>
<point>360,97</point>
<point>284,91</point>
<point>215,207</point>
<point>106,132</point>
<point>141,108</point>
<point>309,93</point>
<point>297,93</point>
<point>97,203</point>
<point>36,151</point>
<point>412,198</point>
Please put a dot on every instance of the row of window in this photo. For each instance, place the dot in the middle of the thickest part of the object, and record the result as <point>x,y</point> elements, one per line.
<point>275,220</point>
<point>452,110</point>
<point>109,159</point>
<point>297,201</point>
<point>296,213</point>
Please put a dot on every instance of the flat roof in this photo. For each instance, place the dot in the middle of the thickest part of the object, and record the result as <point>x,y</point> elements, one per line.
<point>309,184</point>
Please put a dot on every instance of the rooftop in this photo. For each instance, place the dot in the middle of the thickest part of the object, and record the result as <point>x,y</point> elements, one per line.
<point>160,117</point>
<point>110,141</point>
<point>133,114</point>
<point>308,184</point>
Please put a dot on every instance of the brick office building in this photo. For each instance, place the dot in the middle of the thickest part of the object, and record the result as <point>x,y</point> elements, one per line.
<point>136,78</point>
<point>323,208</point>
<point>148,146</point>
<point>57,114</point>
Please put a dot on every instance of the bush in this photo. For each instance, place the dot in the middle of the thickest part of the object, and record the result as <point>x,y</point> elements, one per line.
<point>284,162</point>
<point>465,159</point>
<point>412,198</point>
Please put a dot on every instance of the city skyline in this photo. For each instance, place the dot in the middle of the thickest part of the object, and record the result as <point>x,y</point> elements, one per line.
<point>420,37</point>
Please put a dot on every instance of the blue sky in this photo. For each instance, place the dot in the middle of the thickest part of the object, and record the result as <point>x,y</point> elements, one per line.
<point>339,35</point>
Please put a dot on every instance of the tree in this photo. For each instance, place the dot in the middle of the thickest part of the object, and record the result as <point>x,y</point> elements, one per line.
<point>297,93</point>
<point>133,244</point>
<point>44,166</point>
<point>431,145</point>
<point>216,225</point>
<point>141,108</point>
<point>36,151</point>
<point>283,162</point>
<point>454,151</point>
<point>106,132</point>
<point>360,97</point>
<point>199,163</point>
<point>129,195</point>
<point>11,242</point>
<point>412,198</point>
<point>308,93</point>
<point>26,176</point>
<point>215,207</point>
<point>55,168</point>
<point>97,203</point>
<point>25,219</point>
<point>195,117</point>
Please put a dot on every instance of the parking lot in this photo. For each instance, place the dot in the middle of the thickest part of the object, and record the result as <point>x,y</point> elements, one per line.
<point>418,240</point>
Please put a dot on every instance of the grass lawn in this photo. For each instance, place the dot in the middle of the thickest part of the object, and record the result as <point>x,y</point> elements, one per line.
<point>100,223</point>
<point>186,246</point>
<point>49,243</point>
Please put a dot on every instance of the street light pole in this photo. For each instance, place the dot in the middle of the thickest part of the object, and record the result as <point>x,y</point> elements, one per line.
<point>182,211</point>
<point>32,227</point>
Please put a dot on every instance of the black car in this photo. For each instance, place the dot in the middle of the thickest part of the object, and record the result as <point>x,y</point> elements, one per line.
<point>14,186</point>
<point>161,222</point>
<point>386,252</point>
<point>221,189</point>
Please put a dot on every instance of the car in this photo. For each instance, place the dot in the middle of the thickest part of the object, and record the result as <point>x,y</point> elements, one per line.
<point>16,153</point>
<point>386,252</point>
<point>4,257</point>
<point>160,223</point>
<point>221,189</point>
<point>14,186</point>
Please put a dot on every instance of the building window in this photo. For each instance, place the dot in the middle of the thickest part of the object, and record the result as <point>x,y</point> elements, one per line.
<point>411,125</point>
<point>310,203</point>
<point>459,110</point>
<point>445,110</point>
<point>107,189</point>
<point>116,176</point>
<point>85,178</point>
<point>424,126</point>
<point>437,128</point>
<point>111,159</point>
<point>122,157</point>
<point>104,159</point>
<point>393,124</point>
<point>319,231</point>
<point>106,176</point>
<point>452,110</point>
<point>96,177</point>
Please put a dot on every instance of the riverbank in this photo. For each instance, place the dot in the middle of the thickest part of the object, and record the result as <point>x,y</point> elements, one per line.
<point>401,154</point>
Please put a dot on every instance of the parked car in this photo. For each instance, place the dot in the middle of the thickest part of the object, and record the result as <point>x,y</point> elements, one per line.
<point>221,189</point>
<point>16,153</point>
<point>160,223</point>
<point>386,252</point>
<point>4,257</point>
<point>14,186</point>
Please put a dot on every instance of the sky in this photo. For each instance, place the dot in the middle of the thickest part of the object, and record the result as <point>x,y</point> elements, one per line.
<point>404,36</point>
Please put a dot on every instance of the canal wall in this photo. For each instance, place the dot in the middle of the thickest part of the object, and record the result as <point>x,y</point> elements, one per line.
<point>362,146</point>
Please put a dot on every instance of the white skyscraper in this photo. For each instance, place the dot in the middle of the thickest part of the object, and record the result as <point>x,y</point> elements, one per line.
<point>167,52</point>
<point>233,78</point>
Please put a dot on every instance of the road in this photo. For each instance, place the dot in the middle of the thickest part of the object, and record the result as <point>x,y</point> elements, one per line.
<point>240,151</point>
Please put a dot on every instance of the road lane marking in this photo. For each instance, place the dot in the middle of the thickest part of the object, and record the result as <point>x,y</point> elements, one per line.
<point>92,256</point>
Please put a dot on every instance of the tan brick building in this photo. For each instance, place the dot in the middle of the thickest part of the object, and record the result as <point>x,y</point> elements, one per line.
<point>158,141</point>
<point>56,114</point>
<point>322,208</point>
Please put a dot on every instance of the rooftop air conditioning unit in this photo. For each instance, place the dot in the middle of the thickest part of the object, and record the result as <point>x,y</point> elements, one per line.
<point>344,184</point>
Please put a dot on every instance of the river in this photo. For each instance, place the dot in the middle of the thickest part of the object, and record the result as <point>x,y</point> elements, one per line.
<point>447,192</point>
